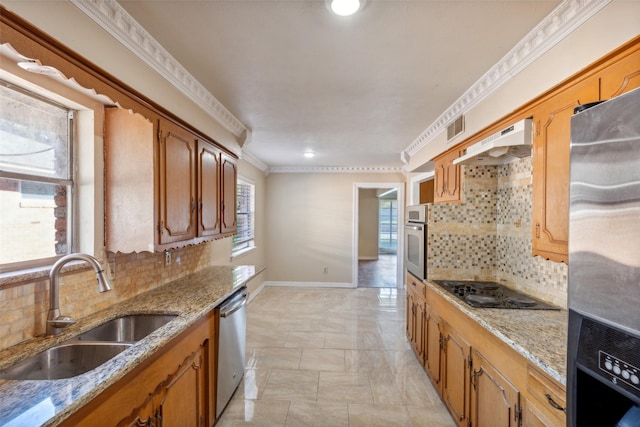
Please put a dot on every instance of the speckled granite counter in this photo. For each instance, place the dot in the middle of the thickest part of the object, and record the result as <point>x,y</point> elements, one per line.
<point>35,403</point>
<point>538,335</point>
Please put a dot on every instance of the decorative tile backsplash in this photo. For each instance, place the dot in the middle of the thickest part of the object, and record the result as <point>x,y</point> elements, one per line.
<point>488,235</point>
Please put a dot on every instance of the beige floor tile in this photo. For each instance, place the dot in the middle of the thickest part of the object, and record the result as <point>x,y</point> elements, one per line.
<point>378,416</point>
<point>267,358</point>
<point>402,388</point>
<point>291,385</point>
<point>265,338</point>
<point>322,359</point>
<point>367,361</point>
<point>342,340</point>
<point>252,384</point>
<point>304,339</point>
<point>263,413</point>
<point>344,387</point>
<point>431,416</point>
<point>315,414</point>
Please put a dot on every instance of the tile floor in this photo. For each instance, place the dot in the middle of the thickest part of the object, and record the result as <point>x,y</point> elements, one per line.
<point>380,273</point>
<point>332,357</point>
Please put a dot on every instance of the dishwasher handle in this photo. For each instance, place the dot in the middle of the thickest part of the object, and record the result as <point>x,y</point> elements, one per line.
<point>234,305</point>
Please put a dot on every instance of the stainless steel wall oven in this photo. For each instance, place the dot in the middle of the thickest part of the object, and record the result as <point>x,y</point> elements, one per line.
<point>415,241</point>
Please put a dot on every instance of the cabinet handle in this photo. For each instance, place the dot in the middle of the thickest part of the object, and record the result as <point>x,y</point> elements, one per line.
<point>554,404</point>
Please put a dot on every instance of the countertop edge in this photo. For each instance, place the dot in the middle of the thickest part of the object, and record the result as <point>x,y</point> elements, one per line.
<point>502,335</point>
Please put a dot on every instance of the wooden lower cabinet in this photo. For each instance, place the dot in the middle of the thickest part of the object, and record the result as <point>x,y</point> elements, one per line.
<point>175,387</point>
<point>455,374</point>
<point>495,401</point>
<point>482,381</point>
<point>416,315</point>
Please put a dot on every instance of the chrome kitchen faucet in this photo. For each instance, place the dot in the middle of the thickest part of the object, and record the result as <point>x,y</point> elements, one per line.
<point>56,322</point>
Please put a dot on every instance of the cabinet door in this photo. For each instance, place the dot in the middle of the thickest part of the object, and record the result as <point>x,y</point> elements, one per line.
<point>447,179</point>
<point>455,375</point>
<point>551,169</point>
<point>182,401</point>
<point>432,345</point>
<point>621,77</point>
<point>534,417</point>
<point>229,191</point>
<point>411,316</point>
<point>177,184</point>
<point>494,400</point>
<point>419,330</point>
<point>209,197</point>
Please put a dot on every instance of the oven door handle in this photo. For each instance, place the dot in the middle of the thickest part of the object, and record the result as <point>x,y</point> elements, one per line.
<point>413,227</point>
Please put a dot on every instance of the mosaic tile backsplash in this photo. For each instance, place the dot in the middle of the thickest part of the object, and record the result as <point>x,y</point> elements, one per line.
<point>488,235</point>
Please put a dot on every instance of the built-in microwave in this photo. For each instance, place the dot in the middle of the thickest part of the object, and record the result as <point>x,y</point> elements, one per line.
<point>415,241</point>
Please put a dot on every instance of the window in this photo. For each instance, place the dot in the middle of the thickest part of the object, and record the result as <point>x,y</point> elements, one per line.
<point>388,226</point>
<point>36,179</point>
<point>243,240</point>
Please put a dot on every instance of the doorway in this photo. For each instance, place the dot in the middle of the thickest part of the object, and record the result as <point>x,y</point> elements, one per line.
<point>379,208</point>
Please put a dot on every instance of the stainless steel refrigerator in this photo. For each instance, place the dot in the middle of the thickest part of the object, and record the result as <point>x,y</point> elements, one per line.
<point>603,366</point>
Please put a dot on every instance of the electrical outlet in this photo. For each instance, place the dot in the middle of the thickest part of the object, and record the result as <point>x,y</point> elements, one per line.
<point>325,270</point>
<point>167,258</point>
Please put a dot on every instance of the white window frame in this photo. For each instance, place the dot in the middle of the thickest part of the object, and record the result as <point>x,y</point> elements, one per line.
<point>250,243</point>
<point>88,197</point>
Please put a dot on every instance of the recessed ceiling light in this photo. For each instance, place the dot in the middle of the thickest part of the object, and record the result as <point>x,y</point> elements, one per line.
<point>309,154</point>
<point>345,7</point>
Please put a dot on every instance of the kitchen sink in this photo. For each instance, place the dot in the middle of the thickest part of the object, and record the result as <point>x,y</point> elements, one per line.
<point>129,328</point>
<point>64,361</point>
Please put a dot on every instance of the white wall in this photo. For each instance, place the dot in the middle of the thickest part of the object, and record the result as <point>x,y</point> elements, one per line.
<point>310,221</point>
<point>613,26</point>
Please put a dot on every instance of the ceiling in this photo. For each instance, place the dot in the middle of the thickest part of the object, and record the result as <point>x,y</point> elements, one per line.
<point>356,91</point>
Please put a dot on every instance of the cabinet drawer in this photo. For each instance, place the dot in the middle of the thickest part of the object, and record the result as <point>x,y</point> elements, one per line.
<point>549,395</point>
<point>416,286</point>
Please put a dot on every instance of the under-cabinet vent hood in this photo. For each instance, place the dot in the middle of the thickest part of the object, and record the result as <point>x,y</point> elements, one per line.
<point>503,147</point>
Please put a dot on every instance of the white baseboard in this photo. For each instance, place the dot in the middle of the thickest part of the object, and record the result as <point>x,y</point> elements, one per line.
<point>310,284</point>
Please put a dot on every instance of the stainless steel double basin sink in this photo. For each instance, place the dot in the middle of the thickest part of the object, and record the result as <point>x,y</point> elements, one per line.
<point>88,350</point>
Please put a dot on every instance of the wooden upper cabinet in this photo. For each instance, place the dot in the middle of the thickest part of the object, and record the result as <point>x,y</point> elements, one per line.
<point>130,205</point>
<point>551,168</point>
<point>209,189</point>
<point>447,177</point>
<point>621,76</point>
<point>177,174</point>
<point>229,192</point>
<point>165,189</point>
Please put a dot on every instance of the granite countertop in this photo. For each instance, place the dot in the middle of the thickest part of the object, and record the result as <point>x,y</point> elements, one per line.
<point>47,402</point>
<point>538,335</point>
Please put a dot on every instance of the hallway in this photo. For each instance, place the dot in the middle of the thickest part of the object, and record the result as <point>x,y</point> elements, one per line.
<point>380,273</point>
<point>332,357</point>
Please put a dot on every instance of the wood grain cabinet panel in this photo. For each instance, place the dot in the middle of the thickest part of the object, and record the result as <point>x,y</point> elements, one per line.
<point>495,402</point>
<point>416,315</point>
<point>621,76</point>
<point>433,345</point>
<point>447,177</point>
<point>229,192</point>
<point>455,374</point>
<point>177,184</point>
<point>209,189</point>
<point>551,169</point>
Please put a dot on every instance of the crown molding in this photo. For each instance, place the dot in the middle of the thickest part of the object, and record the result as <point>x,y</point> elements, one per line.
<point>251,158</point>
<point>561,22</point>
<point>115,20</point>
<point>335,169</point>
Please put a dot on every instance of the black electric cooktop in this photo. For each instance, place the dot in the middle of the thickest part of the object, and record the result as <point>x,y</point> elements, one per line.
<point>491,295</point>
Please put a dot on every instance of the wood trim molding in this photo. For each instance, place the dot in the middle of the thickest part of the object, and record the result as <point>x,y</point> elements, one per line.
<point>563,20</point>
<point>336,169</point>
<point>115,20</point>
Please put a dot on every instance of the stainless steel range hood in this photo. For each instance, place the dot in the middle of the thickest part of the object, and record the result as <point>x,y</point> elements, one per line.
<point>503,147</point>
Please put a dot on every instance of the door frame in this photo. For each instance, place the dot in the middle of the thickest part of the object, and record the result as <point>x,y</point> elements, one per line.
<point>399,187</point>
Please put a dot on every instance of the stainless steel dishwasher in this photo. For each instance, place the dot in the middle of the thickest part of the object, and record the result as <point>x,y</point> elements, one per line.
<point>231,346</point>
